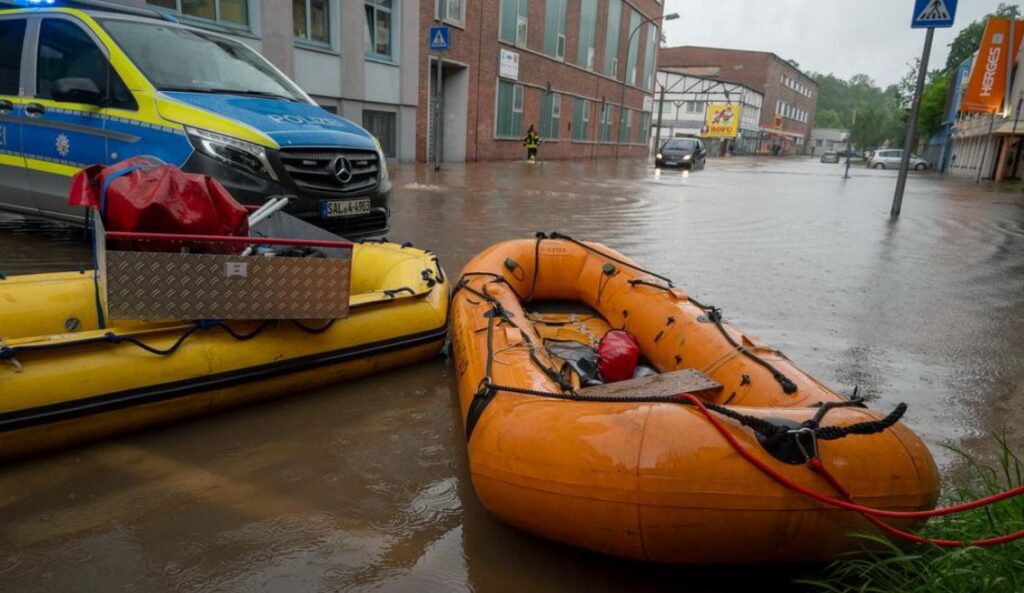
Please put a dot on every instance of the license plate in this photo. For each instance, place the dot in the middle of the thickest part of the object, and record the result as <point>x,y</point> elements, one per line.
<point>341,208</point>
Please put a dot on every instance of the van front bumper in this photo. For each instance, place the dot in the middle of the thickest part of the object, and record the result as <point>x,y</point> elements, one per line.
<point>252,189</point>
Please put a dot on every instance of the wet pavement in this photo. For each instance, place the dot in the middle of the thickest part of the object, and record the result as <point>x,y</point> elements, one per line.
<point>364,486</point>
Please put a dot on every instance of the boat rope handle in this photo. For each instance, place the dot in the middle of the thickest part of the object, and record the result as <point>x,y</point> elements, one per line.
<point>871,514</point>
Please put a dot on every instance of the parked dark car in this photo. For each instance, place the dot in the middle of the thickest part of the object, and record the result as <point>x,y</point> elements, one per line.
<point>681,152</point>
<point>853,154</point>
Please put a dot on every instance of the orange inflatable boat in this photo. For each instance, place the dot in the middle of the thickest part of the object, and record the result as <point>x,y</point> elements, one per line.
<point>635,468</point>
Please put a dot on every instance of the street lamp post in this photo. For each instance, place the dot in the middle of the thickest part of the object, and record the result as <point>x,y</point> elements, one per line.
<point>622,96</point>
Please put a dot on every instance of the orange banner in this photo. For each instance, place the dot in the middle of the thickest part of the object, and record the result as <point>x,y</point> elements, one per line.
<point>988,74</point>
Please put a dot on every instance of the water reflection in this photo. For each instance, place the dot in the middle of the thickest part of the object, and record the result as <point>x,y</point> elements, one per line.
<point>364,485</point>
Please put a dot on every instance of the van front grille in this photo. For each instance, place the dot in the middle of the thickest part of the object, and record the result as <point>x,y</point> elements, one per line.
<point>331,170</point>
<point>374,223</point>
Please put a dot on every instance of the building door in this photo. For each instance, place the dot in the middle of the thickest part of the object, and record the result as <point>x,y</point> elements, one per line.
<point>382,124</point>
<point>448,105</point>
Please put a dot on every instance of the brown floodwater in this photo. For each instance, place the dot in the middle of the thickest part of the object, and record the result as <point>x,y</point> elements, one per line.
<point>364,486</point>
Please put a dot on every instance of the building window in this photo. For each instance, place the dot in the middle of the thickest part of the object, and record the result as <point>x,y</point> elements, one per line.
<point>509,114</point>
<point>378,28</point>
<point>694,107</point>
<point>554,29</point>
<point>382,124</point>
<point>652,45</point>
<point>625,125</point>
<point>227,12</point>
<point>643,122</point>
<point>451,11</point>
<point>550,115</point>
<point>632,50</point>
<point>514,25</point>
<point>611,39</point>
<point>668,110</point>
<point>606,123</point>
<point>588,28</point>
<point>310,21</point>
<point>580,119</point>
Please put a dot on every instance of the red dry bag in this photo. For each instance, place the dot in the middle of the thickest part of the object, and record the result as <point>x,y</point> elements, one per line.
<point>617,356</point>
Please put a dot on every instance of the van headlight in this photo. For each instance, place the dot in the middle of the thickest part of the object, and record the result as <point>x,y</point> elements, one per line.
<point>657,156</point>
<point>381,159</point>
<point>233,151</point>
<point>383,166</point>
<point>687,157</point>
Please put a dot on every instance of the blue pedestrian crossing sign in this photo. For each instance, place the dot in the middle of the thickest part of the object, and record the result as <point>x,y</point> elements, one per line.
<point>933,14</point>
<point>440,38</point>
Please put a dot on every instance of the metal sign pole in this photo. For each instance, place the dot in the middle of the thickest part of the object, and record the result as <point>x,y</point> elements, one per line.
<point>1016,154</point>
<point>661,108</point>
<point>984,148</point>
<point>908,141</point>
<point>438,111</point>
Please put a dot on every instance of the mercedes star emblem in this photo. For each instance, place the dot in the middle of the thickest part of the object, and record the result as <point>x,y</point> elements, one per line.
<point>342,169</point>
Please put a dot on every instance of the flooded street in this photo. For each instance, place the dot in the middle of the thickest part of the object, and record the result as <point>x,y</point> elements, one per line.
<point>364,486</point>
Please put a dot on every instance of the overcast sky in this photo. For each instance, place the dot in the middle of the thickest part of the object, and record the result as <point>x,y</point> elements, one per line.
<point>845,37</point>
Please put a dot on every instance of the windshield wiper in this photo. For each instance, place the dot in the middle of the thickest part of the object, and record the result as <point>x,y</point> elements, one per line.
<point>254,94</point>
<point>187,89</point>
<point>198,89</point>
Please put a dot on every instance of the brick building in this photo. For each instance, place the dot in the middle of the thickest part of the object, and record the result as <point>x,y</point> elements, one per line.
<point>790,96</point>
<point>556,64</point>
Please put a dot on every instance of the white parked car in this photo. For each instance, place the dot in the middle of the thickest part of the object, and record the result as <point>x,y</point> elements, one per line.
<point>889,158</point>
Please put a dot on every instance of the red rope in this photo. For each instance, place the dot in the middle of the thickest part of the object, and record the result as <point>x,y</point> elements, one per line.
<point>871,514</point>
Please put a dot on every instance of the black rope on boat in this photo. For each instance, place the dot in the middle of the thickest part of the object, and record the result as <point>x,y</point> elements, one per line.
<point>557,235</point>
<point>313,330</point>
<point>390,293</point>
<point>9,352</point>
<point>788,386</point>
<point>772,432</point>
<point>714,315</point>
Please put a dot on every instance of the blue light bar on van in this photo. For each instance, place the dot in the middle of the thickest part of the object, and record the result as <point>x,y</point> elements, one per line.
<point>36,2</point>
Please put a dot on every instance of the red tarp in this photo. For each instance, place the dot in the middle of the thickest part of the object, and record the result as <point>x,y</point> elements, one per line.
<point>143,196</point>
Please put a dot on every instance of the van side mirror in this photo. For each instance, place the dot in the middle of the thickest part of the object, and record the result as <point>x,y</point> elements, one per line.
<point>76,90</point>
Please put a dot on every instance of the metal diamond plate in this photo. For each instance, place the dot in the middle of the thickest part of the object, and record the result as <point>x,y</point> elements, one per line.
<point>168,286</point>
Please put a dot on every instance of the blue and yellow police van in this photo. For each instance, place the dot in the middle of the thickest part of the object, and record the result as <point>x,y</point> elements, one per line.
<point>83,85</point>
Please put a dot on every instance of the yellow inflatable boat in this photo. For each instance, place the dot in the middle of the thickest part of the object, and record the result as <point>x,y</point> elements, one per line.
<point>63,379</point>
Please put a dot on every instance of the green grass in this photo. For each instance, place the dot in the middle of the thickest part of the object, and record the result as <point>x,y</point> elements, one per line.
<point>885,567</point>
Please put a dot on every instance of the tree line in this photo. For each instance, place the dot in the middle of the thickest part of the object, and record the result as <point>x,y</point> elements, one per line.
<point>874,115</point>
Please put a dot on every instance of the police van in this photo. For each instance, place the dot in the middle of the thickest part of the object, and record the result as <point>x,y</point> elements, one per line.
<point>80,86</point>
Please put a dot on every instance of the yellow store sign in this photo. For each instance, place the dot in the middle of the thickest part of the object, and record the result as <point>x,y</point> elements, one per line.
<point>722,120</point>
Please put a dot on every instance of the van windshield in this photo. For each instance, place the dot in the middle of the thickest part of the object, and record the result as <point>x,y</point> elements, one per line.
<point>178,59</point>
